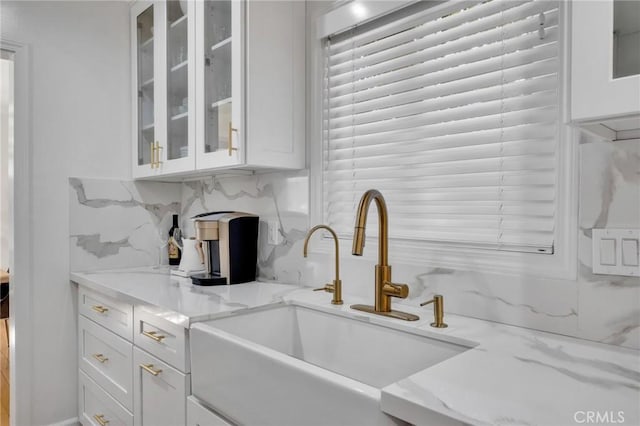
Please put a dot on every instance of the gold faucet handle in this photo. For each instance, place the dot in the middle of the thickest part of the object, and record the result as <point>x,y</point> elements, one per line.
<point>395,290</point>
<point>329,288</point>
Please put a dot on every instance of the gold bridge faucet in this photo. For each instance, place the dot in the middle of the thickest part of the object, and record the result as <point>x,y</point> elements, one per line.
<point>336,287</point>
<point>385,288</point>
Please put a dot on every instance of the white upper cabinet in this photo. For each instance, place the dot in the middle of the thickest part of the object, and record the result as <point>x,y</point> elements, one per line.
<point>605,77</point>
<point>163,55</point>
<point>219,85</point>
<point>220,74</point>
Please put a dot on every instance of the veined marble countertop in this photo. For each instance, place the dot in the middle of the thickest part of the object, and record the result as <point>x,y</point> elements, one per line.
<point>176,299</point>
<point>509,376</point>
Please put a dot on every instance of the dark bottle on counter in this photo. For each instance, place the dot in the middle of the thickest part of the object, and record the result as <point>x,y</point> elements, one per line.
<point>175,254</point>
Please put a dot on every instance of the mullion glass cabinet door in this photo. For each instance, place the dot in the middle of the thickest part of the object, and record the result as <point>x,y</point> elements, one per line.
<point>218,76</point>
<point>177,63</point>
<point>145,86</point>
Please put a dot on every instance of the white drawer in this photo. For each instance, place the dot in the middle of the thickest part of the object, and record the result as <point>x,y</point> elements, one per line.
<point>107,359</point>
<point>160,391</point>
<point>162,338</point>
<point>199,415</point>
<point>98,408</point>
<point>113,314</point>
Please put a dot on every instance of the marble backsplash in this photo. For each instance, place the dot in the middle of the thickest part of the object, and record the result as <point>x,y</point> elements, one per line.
<point>117,224</point>
<point>596,307</point>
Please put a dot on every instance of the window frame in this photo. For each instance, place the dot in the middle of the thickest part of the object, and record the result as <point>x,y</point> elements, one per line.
<point>562,264</point>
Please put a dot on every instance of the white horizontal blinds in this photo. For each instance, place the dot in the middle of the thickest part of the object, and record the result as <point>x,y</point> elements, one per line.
<point>453,116</point>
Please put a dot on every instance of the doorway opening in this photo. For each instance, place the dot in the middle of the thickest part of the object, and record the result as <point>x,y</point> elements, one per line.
<point>6,231</point>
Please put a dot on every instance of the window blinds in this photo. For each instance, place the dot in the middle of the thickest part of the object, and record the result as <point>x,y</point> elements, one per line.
<point>453,116</point>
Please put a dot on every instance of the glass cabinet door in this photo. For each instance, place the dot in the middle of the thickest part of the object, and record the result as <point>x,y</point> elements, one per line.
<point>144,77</point>
<point>163,48</point>
<point>626,38</point>
<point>176,86</point>
<point>219,142</point>
<point>177,68</point>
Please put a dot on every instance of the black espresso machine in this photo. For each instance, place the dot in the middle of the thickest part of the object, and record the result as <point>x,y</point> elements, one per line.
<point>229,247</point>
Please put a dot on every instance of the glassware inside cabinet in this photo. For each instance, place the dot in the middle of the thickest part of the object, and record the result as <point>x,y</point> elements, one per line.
<point>218,75</point>
<point>146,129</point>
<point>177,79</point>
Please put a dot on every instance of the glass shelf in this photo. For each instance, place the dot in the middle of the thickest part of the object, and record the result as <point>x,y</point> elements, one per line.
<point>220,103</point>
<point>181,65</point>
<point>220,44</point>
<point>146,43</point>
<point>182,19</point>
<point>181,115</point>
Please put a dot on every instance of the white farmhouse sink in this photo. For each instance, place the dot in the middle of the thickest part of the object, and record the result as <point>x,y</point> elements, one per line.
<point>292,365</point>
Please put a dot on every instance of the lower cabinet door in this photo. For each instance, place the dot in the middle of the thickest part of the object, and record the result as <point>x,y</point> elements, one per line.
<point>98,408</point>
<point>199,415</point>
<point>160,391</point>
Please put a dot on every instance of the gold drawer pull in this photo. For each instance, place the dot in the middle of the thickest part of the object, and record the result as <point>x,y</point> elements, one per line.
<point>100,309</point>
<point>149,368</point>
<point>100,358</point>
<point>154,335</point>
<point>100,419</point>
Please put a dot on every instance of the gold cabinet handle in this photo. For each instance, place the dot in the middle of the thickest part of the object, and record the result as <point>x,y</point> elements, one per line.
<point>152,163</point>
<point>100,419</point>
<point>154,335</point>
<point>231,130</point>
<point>100,358</point>
<point>149,369</point>
<point>158,148</point>
<point>100,309</point>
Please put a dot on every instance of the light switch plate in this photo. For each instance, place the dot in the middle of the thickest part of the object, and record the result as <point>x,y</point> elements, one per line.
<point>615,251</point>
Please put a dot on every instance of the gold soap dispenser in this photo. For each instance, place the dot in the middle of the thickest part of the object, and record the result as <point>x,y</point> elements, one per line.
<point>438,311</point>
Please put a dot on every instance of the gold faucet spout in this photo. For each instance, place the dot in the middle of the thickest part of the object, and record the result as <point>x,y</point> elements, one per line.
<point>361,224</point>
<point>336,287</point>
<point>385,289</point>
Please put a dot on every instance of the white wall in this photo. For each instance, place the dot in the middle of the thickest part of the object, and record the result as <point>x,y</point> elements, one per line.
<point>6,134</point>
<point>80,121</point>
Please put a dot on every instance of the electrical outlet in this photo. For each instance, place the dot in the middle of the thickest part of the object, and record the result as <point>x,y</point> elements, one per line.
<point>273,233</point>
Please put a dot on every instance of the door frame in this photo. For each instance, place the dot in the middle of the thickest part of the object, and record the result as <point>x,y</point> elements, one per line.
<point>20,287</point>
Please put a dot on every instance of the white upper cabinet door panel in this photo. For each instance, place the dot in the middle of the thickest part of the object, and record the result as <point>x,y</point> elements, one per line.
<point>605,79</point>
